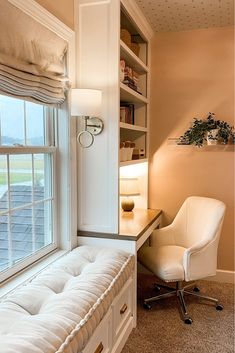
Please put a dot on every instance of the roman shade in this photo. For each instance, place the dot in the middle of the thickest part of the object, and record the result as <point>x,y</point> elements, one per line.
<point>32,58</point>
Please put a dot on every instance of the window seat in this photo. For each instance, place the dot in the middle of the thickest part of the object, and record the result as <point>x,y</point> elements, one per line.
<point>61,309</point>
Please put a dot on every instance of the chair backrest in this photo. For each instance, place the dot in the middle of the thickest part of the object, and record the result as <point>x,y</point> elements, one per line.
<point>199,219</point>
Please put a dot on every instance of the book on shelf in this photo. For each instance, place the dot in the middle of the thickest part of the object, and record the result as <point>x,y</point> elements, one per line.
<point>129,77</point>
<point>127,113</point>
<point>122,70</point>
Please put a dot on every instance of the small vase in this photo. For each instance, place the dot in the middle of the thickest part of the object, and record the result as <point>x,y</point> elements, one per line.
<point>212,137</point>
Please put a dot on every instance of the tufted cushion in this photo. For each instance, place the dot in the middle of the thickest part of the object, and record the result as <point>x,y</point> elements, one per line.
<point>60,308</point>
<point>165,261</point>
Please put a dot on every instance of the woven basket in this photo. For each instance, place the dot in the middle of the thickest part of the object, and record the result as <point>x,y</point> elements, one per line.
<point>126,37</point>
<point>135,48</point>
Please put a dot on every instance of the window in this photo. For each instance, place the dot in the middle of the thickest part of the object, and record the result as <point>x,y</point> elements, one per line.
<point>27,183</point>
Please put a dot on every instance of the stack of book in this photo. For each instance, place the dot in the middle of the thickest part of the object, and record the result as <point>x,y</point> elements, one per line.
<point>129,77</point>
<point>127,113</point>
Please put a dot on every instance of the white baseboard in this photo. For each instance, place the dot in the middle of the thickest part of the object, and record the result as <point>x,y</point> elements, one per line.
<point>222,276</point>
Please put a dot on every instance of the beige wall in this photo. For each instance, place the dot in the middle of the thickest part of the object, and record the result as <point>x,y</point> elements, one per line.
<point>192,75</point>
<point>62,9</point>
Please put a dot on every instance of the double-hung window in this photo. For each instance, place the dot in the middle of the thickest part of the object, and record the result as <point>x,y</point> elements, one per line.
<point>27,183</point>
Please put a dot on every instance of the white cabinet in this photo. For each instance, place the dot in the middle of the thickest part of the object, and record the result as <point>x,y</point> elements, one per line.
<point>112,332</point>
<point>101,340</point>
<point>122,311</point>
<point>99,50</point>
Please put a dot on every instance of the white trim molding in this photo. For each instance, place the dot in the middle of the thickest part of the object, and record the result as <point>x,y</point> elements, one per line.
<point>134,9</point>
<point>222,276</point>
<point>40,14</point>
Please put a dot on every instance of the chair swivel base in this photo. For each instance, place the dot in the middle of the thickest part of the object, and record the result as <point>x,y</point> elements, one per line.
<point>179,291</point>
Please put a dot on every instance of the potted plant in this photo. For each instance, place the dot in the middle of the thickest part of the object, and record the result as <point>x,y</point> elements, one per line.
<point>195,135</point>
<point>210,130</point>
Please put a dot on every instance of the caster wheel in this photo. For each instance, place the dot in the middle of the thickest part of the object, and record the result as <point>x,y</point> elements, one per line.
<point>196,289</point>
<point>157,288</point>
<point>147,306</point>
<point>188,321</point>
<point>219,307</point>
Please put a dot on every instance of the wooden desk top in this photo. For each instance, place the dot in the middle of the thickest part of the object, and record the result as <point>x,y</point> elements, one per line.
<point>132,225</point>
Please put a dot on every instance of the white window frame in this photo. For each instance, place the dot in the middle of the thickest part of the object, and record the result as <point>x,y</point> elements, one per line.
<point>24,262</point>
<point>66,162</point>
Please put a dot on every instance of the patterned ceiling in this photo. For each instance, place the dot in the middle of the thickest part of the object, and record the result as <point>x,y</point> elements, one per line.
<point>181,15</point>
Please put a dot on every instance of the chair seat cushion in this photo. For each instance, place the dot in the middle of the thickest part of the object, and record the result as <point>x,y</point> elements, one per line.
<point>166,262</point>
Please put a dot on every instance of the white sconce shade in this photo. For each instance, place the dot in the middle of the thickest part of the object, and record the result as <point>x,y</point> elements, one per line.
<point>86,102</point>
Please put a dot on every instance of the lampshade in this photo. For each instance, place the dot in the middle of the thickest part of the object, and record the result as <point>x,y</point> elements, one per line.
<point>86,102</point>
<point>129,187</point>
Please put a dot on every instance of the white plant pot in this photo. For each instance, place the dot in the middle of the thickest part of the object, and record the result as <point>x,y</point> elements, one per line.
<point>212,137</point>
<point>124,154</point>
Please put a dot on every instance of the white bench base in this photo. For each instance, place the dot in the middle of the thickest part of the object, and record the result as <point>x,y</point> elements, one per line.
<point>113,331</point>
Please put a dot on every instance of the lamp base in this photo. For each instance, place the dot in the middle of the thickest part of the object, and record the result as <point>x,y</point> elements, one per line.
<point>127,204</point>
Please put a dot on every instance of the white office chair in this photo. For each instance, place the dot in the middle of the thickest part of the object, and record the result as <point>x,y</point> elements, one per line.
<point>186,250</point>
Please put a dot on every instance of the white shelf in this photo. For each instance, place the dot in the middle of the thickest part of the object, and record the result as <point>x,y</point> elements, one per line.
<point>134,161</point>
<point>209,148</point>
<point>218,147</point>
<point>130,96</point>
<point>131,59</point>
<point>133,127</point>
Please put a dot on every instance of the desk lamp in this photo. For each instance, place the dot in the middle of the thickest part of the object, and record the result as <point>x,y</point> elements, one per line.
<point>128,187</point>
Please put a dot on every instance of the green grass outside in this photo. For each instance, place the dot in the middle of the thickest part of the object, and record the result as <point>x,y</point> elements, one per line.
<point>20,178</point>
<point>19,164</point>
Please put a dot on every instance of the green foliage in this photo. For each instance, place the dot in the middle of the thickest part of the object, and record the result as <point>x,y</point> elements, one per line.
<point>196,135</point>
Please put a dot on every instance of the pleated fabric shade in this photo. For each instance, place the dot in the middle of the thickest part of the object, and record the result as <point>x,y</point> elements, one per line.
<point>32,58</point>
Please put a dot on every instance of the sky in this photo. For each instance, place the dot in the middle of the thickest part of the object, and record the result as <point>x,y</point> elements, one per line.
<point>12,118</point>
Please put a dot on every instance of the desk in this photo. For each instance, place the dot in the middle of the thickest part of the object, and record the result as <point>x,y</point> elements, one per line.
<point>135,229</point>
<point>138,225</point>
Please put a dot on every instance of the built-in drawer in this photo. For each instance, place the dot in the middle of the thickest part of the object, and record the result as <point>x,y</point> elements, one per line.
<point>100,341</point>
<point>122,309</point>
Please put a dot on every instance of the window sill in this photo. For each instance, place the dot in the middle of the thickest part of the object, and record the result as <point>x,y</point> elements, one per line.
<point>25,275</point>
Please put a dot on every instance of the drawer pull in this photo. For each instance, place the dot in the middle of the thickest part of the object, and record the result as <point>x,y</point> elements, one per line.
<point>99,348</point>
<point>123,309</point>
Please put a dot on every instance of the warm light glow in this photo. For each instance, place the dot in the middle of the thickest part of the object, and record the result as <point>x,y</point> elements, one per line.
<point>86,102</point>
<point>129,187</point>
<point>134,170</point>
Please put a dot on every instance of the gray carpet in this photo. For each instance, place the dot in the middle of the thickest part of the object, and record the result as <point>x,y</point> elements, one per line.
<point>161,329</point>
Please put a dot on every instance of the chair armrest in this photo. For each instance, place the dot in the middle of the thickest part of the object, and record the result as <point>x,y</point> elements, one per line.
<point>200,260</point>
<point>163,236</point>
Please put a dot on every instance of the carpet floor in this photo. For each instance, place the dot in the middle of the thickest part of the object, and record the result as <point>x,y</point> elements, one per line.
<point>161,329</point>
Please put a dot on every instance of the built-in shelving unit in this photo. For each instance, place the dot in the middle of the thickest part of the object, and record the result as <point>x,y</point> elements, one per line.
<point>99,50</point>
<point>136,131</point>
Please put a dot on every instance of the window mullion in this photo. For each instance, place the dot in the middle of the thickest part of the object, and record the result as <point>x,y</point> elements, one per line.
<point>9,214</point>
<point>0,123</point>
<point>25,122</point>
<point>33,209</point>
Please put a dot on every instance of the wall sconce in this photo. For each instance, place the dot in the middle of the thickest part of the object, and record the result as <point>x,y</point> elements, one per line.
<point>86,103</point>
<point>129,187</point>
